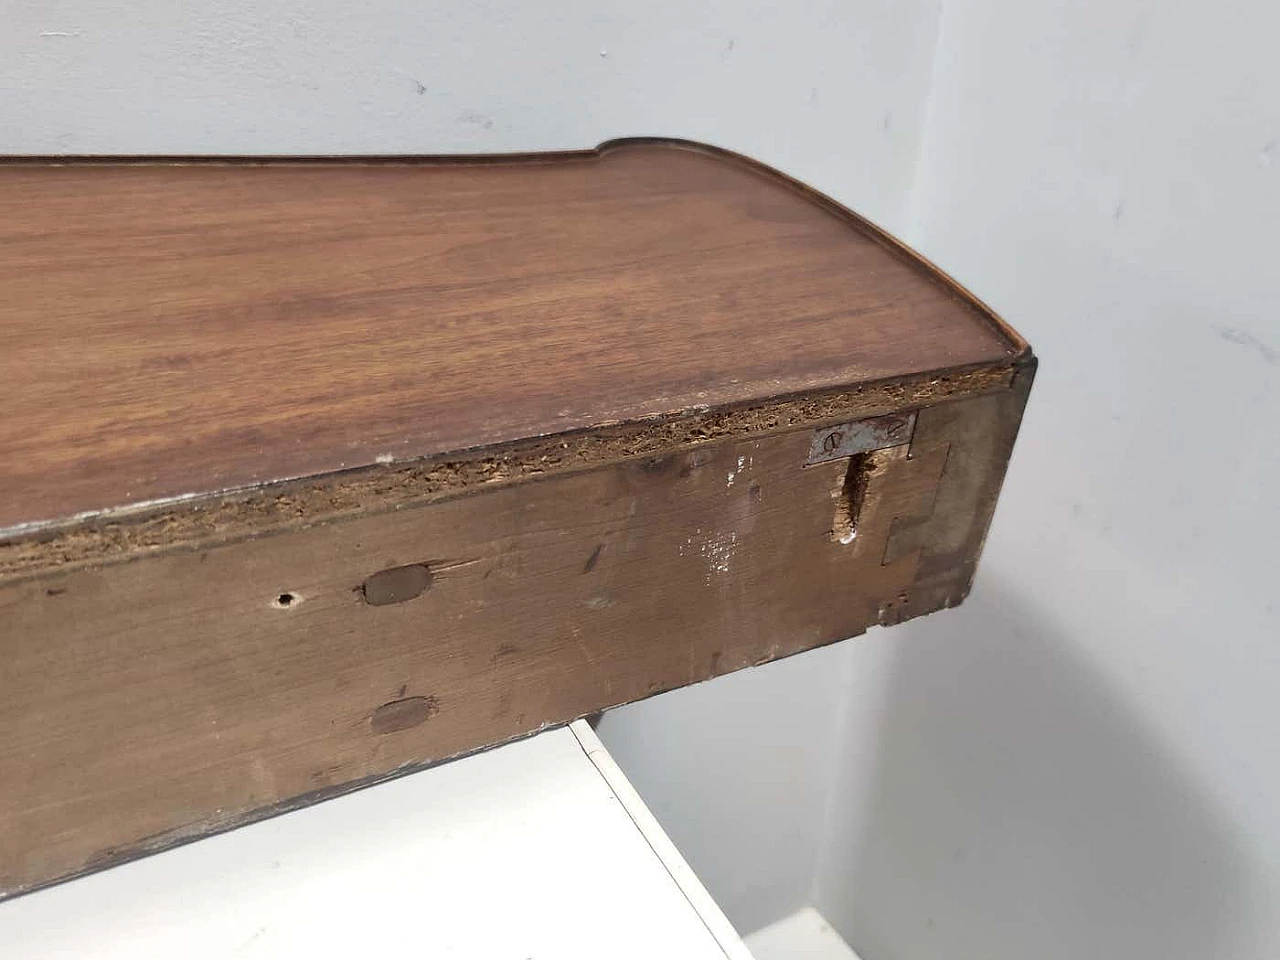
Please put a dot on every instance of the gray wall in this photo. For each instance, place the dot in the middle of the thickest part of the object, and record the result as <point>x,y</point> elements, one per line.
<point>1083,761</point>
<point>396,76</point>
<point>833,93</point>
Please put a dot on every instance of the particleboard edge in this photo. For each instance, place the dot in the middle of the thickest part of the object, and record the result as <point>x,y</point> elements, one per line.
<point>199,521</point>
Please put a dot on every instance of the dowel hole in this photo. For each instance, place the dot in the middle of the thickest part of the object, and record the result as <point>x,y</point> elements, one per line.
<point>397,584</point>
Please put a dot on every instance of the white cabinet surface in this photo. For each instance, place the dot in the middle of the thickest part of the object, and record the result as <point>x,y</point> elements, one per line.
<point>537,850</point>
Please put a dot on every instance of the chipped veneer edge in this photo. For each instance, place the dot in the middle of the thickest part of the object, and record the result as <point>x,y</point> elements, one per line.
<point>201,521</point>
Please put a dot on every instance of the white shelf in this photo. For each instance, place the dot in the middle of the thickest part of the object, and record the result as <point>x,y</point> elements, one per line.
<point>804,935</point>
<point>538,849</point>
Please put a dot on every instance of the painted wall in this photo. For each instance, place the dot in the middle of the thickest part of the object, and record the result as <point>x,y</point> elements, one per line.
<point>1080,761</point>
<point>1083,760</point>
<point>396,76</point>
<point>739,771</point>
<point>830,92</point>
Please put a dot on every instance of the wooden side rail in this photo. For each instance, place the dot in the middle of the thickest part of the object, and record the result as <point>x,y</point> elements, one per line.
<point>318,471</point>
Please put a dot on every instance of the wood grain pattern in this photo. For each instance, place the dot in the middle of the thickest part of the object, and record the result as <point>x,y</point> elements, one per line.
<point>189,699</point>
<point>276,508</point>
<point>315,472</point>
<point>172,328</point>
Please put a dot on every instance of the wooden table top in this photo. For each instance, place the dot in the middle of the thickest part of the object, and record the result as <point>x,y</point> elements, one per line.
<point>181,327</point>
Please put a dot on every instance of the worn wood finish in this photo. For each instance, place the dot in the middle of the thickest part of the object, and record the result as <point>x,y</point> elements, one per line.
<point>175,328</point>
<point>600,379</point>
<point>552,599</point>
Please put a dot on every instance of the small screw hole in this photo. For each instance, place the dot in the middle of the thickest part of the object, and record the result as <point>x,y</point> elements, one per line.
<point>285,600</point>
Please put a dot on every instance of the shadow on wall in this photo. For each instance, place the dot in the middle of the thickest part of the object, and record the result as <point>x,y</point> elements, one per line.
<point>737,772</point>
<point>1016,809</point>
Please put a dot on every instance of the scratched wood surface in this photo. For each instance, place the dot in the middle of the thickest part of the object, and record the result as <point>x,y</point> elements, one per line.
<point>510,442</point>
<point>150,702</point>
<point>174,328</point>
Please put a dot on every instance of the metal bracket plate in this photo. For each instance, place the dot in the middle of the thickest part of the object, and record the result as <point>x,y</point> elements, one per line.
<point>841,440</point>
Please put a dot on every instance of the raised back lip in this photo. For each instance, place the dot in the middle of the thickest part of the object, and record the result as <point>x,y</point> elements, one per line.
<point>1020,353</point>
<point>1022,348</point>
